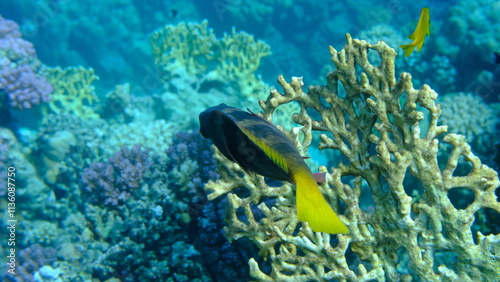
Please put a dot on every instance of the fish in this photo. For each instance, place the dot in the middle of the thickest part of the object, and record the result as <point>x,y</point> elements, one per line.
<point>497,57</point>
<point>256,145</point>
<point>174,13</point>
<point>418,36</point>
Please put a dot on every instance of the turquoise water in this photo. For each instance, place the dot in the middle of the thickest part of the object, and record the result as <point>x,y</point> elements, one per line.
<point>103,169</point>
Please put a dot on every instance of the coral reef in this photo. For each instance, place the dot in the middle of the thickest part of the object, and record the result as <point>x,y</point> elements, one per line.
<point>377,122</point>
<point>420,64</point>
<point>32,259</point>
<point>117,105</point>
<point>73,91</point>
<point>184,46</point>
<point>155,135</point>
<point>462,118</point>
<point>485,38</point>
<point>96,206</point>
<point>469,35</point>
<point>24,87</point>
<point>190,165</point>
<point>191,52</point>
<point>115,46</point>
<point>19,69</point>
<point>111,183</point>
<point>478,123</point>
<point>192,61</point>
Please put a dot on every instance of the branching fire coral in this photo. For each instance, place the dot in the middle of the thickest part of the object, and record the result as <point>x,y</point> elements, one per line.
<point>192,51</point>
<point>378,124</point>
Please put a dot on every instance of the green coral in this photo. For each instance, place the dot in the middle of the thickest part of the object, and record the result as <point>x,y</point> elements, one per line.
<point>73,90</point>
<point>377,122</point>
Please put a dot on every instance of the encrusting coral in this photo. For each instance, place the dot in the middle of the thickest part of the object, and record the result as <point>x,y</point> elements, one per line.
<point>378,124</point>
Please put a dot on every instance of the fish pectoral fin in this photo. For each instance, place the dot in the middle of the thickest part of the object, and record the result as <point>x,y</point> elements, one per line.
<point>431,28</point>
<point>313,208</point>
<point>232,158</point>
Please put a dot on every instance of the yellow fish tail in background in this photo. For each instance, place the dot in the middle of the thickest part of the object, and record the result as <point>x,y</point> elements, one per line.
<point>312,206</point>
<point>418,36</point>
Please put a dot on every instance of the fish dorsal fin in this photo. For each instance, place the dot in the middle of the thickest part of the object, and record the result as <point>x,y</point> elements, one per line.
<point>278,159</point>
<point>259,117</point>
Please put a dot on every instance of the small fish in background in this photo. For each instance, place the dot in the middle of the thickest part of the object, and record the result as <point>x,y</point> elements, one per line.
<point>174,13</point>
<point>418,36</point>
<point>497,57</point>
<point>258,146</point>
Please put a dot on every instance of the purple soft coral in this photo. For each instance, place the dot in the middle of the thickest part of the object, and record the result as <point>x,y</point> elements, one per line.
<point>24,87</point>
<point>12,44</point>
<point>8,29</point>
<point>17,62</point>
<point>112,182</point>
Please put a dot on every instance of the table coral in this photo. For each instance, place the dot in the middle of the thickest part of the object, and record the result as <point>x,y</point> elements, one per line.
<point>377,122</point>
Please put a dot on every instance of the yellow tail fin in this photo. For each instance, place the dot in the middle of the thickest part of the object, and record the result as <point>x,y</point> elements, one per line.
<point>408,49</point>
<point>313,208</point>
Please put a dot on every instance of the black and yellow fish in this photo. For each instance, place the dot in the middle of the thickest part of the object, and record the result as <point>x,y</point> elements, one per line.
<point>258,146</point>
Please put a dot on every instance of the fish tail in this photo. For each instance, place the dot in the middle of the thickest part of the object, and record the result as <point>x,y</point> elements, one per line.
<point>313,208</point>
<point>420,44</point>
<point>408,49</point>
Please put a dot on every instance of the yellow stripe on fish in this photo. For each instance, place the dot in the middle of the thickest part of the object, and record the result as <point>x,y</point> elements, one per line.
<point>258,146</point>
<point>272,154</point>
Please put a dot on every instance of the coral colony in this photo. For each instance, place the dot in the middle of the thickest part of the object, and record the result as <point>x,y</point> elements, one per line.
<point>105,174</point>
